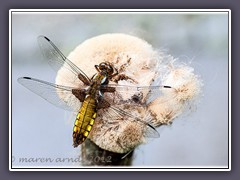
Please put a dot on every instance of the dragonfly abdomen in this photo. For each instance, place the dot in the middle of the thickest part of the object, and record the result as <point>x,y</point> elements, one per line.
<point>84,121</point>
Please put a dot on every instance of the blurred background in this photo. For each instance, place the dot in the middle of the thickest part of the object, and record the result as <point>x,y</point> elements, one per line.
<point>196,139</point>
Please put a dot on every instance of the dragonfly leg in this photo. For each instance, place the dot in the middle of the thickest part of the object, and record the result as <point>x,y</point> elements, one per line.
<point>114,74</point>
<point>120,77</point>
<point>96,67</point>
<point>84,79</point>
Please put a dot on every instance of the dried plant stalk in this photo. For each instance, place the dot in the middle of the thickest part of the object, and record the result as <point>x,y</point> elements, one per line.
<point>93,155</point>
<point>144,66</point>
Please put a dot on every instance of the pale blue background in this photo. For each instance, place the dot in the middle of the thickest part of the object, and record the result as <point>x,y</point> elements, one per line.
<point>40,130</point>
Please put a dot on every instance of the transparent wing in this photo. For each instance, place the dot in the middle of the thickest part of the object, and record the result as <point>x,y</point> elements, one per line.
<point>149,130</point>
<point>56,59</point>
<point>129,104</point>
<point>138,95</point>
<point>50,92</point>
<point>115,115</point>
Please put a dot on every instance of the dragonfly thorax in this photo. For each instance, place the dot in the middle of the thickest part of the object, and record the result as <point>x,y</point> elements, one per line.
<point>97,80</point>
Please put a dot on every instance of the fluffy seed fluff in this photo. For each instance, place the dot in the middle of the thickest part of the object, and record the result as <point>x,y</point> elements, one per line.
<point>144,66</point>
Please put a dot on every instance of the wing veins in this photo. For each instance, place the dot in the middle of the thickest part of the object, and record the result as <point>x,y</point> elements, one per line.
<point>48,91</point>
<point>62,60</point>
<point>149,128</point>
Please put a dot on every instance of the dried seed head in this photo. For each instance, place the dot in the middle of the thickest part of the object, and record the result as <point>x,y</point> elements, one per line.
<point>143,66</point>
<point>187,87</point>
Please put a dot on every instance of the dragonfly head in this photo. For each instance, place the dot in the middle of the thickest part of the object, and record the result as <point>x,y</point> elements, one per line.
<point>106,67</point>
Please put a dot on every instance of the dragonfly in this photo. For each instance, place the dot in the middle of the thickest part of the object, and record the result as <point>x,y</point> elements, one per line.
<point>94,94</point>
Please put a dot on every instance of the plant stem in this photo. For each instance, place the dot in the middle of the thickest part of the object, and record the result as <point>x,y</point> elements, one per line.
<point>92,155</point>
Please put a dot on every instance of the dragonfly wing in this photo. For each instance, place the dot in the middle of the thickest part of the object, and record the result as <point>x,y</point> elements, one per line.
<point>129,104</point>
<point>149,130</point>
<point>115,115</point>
<point>138,95</point>
<point>50,92</point>
<point>57,60</point>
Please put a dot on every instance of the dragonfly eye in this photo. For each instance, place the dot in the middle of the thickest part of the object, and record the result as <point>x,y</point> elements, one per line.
<point>102,66</point>
<point>109,69</point>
